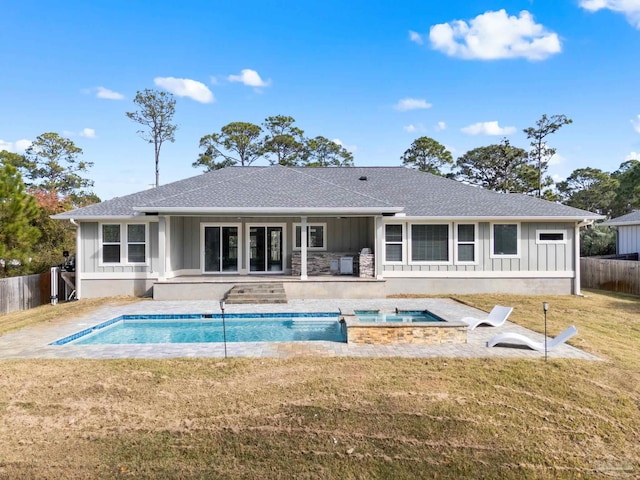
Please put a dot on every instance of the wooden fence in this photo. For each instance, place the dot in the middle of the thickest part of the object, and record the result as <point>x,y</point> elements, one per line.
<point>29,291</point>
<point>615,275</point>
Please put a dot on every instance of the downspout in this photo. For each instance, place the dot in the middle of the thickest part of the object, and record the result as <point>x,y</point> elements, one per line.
<point>576,283</point>
<point>78,259</point>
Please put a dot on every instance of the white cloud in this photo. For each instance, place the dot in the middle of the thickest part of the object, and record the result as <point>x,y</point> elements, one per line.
<point>495,35</point>
<point>556,159</point>
<point>350,148</point>
<point>636,124</point>
<point>108,94</point>
<point>440,126</point>
<point>629,8</point>
<point>22,145</point>
<point>411,104</point>
<point>185,87</point>
<point>488,128</point>
<point>411,128</point>
<point>88,133</point>
<point>415,37</point>
<point>19,146</point>
<point>632,156</point>
<point>250,78</point>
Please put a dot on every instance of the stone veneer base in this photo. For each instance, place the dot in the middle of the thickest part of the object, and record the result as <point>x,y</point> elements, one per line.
<point>418,333</point>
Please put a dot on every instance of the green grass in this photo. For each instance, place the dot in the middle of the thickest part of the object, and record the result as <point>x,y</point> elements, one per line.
<point>339,417</point>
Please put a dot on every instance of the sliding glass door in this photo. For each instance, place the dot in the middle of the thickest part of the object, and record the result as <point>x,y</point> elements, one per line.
<point>220,248</point>
<point>266,248</point>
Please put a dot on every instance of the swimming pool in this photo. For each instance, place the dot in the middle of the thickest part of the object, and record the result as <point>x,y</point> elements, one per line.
<point>400,316</point>
<point>206,328</point>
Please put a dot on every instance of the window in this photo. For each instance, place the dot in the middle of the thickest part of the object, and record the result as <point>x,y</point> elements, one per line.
<point>550,236</point>
<point>466,243</point>
<point>136,243</point>
<point>316,236</point>
<point>393,236</point>
<point>430,243</point>
<point>111,244</point>
<point>505,240</point>
<point>123,243</point>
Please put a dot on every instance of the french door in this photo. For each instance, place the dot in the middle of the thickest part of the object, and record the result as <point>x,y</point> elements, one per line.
<point>266,248</point>
<point>220,248</point>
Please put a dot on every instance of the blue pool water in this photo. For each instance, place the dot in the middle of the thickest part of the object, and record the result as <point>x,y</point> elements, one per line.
<point>399,316</point>
<point>141,329</point>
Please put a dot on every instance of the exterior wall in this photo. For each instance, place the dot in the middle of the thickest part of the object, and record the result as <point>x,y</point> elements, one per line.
<point>346,235</point>
<point>628,239</point>
<point>533,257</point>
<point>139,287</point>
<point>515,285</point>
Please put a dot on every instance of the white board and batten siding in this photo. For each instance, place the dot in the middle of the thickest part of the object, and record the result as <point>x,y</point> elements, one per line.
<point>533,257</point>
<point>90,251</point>
<point>628,239</point>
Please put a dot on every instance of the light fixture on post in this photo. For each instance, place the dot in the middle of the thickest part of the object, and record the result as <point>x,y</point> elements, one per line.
<point>224,329</point>
<point>545,308</point>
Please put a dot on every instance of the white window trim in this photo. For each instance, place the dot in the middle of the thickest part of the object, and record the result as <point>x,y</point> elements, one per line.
<point>449,261</point>
<point>309,225</point>
<point>491,240</point>
<point>551,242</point>
<point>236,225</point>
<point>457,243</point>
<point>124,245</point>
<point>403,243</point>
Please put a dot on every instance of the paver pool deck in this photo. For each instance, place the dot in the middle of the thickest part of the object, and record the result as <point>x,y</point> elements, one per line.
<point>34,342</point>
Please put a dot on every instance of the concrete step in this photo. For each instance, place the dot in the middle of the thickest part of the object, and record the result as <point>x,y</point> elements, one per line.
<point>256,293</point>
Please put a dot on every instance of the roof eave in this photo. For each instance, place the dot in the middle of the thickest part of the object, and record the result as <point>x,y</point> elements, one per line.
<point>513,218</point>
<point>272,210</point>
<point>91,218</point>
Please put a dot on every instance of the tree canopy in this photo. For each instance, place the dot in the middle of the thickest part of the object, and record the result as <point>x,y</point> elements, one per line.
<point>52,163</point>
<point>322,152</point>
<point>589,189</point>
<point>501,167</point>
<point>237,143</point>
<point>284,143</point>
<point>427,155</point>
<point>18,210</point>
<point>155,112</point>
<point>628,192</point>
<point>280,142</point>
<point>541,152</point>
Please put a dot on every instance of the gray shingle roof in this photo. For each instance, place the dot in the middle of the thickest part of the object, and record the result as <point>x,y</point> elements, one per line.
<point>386,189</point>
<point>632,218</point>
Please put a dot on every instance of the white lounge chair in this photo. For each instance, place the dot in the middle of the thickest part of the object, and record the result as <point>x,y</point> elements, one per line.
<point>497,316</point>
<point>519,339</point>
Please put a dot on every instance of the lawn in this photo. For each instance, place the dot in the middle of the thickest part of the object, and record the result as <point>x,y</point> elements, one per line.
<point>337,417</point>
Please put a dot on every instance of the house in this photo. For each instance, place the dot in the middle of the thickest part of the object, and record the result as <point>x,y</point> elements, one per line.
<point>326,233</point>
<point>628,226</point>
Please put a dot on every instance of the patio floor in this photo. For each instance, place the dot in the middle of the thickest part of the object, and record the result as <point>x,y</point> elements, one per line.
<point>33,342</point>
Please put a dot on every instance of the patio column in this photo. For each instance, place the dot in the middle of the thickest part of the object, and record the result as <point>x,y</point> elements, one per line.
<point>379,247</point>
<point>162,248</point>
<point>576,244</point>
<point>303,248</point>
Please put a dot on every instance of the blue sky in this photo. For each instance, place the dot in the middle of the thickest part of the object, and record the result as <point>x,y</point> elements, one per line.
<point>373,75</point>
